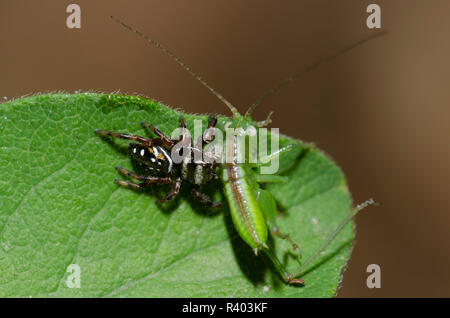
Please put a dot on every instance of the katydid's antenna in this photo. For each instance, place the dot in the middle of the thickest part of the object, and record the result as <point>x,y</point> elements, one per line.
<point>180,62</point>
<point>309,68</point>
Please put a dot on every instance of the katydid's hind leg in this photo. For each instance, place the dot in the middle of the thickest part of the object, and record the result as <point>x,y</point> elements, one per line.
<point>333,235</point>
<point>204,198</point>
<point>176,185</point>
<point>269,208</point>
<point>142,140</point>
<point>287,277</point>
<point>165,139</point>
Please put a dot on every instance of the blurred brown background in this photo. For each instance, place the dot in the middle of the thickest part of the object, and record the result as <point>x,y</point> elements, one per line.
<point>381,111</point>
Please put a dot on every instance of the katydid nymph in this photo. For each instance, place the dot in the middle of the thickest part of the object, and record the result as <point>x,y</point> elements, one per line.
<point>253,209</point>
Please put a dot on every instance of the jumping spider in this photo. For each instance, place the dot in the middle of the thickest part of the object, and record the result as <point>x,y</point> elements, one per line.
<point>153,156</point>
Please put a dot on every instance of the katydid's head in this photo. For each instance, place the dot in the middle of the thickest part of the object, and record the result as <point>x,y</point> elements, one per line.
<point>244,121</point>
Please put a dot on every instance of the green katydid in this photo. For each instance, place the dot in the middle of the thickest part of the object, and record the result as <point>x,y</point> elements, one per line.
<point>253,209</point>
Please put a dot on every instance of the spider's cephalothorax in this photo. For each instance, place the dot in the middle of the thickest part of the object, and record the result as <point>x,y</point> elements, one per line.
<point>153,159</point>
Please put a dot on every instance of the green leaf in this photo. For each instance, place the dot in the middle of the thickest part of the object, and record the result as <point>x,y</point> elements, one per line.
<point>60,206</point>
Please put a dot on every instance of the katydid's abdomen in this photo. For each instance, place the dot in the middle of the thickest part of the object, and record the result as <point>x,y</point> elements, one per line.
<point>247,217</point>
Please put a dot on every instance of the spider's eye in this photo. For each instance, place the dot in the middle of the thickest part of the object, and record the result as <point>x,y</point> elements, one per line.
<point>134,149</point>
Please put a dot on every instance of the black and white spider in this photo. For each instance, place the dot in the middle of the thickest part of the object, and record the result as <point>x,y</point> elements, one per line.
<point>153,157</point>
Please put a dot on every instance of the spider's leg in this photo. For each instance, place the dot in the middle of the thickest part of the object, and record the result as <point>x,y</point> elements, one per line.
<point>129,184</point>
<point>176,185</point>
<point>141,185</point>
<point>142,140</point>
<point>212,121</point>
<point>209,132</point>
<point>145,179</point>
<point>184,135</point>
<point>182,122</point>
<point>182,145</point>
<point>165,139</point>
<point>204,198</point>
